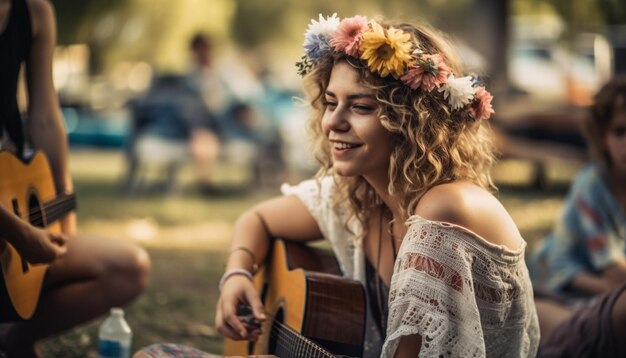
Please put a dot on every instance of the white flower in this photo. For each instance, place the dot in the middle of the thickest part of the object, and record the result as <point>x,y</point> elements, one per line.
<point>325,27</point>
<point>458,91</point>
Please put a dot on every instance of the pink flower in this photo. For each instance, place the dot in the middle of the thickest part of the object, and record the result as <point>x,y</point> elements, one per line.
<point>481,107</point>
<point>428,72</point>
<point>349,34</point>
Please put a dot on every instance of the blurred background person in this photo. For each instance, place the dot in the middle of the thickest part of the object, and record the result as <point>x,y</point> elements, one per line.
<point>203,78</point>
<point>236,129</point>
<point>583,261</point>
<point>169,124</point>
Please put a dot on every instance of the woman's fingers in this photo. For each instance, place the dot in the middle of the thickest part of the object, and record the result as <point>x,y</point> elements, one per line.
<point>254,300</point>
<point>222,326</point>
<point>229,312</point>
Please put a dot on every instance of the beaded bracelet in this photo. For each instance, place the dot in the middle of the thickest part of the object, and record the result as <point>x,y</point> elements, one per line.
<point>228,274</point>
<point>255,266</point>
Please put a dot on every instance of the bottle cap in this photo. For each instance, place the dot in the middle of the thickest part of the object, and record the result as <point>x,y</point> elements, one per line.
<point>116,311</point>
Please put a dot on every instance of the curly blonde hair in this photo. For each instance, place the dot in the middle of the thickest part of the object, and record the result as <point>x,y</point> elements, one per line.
<point>432,144</point>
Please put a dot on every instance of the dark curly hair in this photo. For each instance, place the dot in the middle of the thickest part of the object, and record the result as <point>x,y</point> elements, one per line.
<point>610,99</point>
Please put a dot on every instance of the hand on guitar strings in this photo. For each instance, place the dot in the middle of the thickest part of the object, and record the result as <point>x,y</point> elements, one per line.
<point>39,246</point>
<point>230,320</point>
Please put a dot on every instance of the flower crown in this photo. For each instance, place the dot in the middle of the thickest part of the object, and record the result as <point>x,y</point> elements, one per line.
<point>391,52</point>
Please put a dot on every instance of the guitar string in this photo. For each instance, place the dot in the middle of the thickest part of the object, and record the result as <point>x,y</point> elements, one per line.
<point>56,208</point>
<point>67,200</point>
<point>51,215</point>
<point>52,209</point>
<point>285,338</point>
<point>286,341</point>
<point>292,336</point>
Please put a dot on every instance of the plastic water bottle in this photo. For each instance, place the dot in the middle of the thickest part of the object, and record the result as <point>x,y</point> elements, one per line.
<point>115,336</point>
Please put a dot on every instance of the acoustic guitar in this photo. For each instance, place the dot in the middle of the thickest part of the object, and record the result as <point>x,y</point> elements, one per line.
<point>27,189</point>
<point>311,310</point>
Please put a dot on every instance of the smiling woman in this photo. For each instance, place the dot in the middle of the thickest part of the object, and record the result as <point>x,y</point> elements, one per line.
<point>402,196</point>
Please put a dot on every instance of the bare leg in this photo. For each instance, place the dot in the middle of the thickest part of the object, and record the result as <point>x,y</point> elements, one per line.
<point>550,314</point>
<point>619,323</point>
<point>96,274</point>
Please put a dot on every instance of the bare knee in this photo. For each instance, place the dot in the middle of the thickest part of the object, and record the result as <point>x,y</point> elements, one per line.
<point>139,268</point>
<point>128,275</point>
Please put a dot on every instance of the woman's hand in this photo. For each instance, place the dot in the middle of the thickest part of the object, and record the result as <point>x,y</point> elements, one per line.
<point>237,291</point>
<point>39,246</point>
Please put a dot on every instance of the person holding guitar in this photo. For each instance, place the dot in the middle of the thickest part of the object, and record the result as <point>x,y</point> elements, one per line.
<point>402,197</point>
<point>84,276</point>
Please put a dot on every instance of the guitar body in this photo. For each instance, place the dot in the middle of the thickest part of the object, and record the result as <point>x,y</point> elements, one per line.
<point>25,188</point>
<point>306,301</point>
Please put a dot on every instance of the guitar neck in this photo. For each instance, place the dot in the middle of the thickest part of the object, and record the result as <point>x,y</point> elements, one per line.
<point>53,210</point>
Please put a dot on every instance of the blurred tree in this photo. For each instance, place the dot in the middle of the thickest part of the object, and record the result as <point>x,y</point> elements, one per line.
<point>72,15</point>
<point>155,31</point>
<point>592,13</point>
<point>250,25</point>
<point>613,11</point>
<point>584,15</point>
<point>490,36</point>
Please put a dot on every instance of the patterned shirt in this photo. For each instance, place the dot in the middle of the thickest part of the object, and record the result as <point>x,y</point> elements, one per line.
<point>463,295</point>
<point>589,235</point>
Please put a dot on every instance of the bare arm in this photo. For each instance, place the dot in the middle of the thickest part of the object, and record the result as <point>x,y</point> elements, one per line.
<point>612,277</point>
<point>284,217</point>
<point>615,274</point>
<point>45,123</point>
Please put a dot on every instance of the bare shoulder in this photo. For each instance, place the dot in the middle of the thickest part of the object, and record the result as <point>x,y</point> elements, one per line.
<point>42,14</point>
<point>472,207</point>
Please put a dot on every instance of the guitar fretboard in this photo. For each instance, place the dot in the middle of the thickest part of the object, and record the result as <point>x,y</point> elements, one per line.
<point>290,343</point>
<point>53,210</point>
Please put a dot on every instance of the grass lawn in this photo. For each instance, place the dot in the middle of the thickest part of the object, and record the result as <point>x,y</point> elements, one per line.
<point>187,236</point>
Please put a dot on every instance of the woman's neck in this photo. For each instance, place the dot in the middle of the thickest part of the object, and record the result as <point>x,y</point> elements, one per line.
<point>380,184</point>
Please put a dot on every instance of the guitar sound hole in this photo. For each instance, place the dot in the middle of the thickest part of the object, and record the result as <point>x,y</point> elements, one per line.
<point>36,219</point>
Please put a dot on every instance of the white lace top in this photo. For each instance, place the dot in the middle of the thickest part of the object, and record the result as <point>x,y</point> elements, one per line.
<point>463,295</point>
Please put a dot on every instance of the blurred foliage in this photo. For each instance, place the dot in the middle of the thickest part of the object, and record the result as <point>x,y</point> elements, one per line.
<point>592,12</point>
<point>581,15</point>
<point>75,17</point>
<point>157,30</point>
<point>613,11</point>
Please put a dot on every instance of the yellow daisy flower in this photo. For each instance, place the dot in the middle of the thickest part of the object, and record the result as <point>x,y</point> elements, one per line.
<point>386,52</point>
